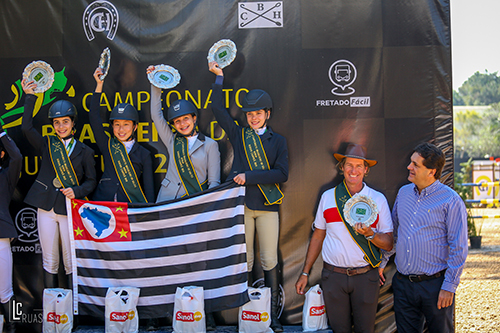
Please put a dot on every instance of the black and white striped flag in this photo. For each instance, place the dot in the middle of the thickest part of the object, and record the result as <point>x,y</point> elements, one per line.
<point>198,241</point>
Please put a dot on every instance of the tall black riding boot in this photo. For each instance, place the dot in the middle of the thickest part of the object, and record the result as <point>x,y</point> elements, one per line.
<point>271,280</point>
<point>152,324</point>
<point>69,281</point>
<point>9,326</point>
<point>210,321</point>
<point>49,280</point>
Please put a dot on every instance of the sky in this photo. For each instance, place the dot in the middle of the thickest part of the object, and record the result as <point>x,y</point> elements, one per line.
<point>475,38</point>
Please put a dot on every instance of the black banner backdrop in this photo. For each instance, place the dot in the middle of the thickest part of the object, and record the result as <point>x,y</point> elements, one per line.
<point>363,71</point>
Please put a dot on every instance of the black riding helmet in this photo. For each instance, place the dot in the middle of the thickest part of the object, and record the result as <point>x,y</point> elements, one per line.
<point>63,108</point>
<point>179,108</point>
<point>256,99</point>
<point>124,111</point>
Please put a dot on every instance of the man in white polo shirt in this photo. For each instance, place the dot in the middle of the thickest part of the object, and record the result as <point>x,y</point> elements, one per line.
<point>350,280</point>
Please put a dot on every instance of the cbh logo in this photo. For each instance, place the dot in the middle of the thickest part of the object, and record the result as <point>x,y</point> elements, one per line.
<point>343,73</point>
<point>100,16</point>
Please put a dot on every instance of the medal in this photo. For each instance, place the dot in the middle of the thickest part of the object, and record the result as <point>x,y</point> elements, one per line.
<point>57,183</point>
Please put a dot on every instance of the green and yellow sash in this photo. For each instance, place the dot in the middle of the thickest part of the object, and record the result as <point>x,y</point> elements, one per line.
<point>61,162</point>
<point>185,169</point>
<point>125,171</point>
<point>257,159</point>
<point>372,253</point>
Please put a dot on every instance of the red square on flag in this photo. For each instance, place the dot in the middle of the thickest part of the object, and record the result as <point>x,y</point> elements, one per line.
<point>100,221</point>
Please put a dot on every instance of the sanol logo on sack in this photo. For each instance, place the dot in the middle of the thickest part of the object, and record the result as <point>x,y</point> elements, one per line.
<point>122,316</point>
<point>317,310</point>
<point>188,316</point>
<point>254,316</point>
<point>52,317</point>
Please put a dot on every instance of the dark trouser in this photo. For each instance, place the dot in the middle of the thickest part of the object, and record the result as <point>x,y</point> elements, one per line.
<point>351,295</point>
<point>414,301</point>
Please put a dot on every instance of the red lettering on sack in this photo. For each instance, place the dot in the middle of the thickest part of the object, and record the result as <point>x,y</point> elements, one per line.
<point>317,310</point>
<point>254,316</point>
<point>52,317</point>
<point>118,316</point>
<point>184,316</point>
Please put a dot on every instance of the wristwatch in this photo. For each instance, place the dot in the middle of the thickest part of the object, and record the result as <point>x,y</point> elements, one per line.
<point>370,237</point>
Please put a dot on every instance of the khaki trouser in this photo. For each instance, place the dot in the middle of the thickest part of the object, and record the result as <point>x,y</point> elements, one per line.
<point>267,226</point>
<point>51,226</point>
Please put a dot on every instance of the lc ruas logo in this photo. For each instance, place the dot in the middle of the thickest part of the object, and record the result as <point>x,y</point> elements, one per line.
<point>254,316</point>
<point>53,317</point>
<point>122,316</point>
<point>317,310</point>
<point>188,316</point>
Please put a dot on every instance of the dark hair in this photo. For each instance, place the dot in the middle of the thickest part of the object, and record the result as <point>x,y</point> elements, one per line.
<point>433,157</point>
<point>341,163</point>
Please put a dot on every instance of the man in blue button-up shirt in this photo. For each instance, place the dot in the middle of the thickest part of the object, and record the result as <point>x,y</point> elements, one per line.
<point>430,233</point>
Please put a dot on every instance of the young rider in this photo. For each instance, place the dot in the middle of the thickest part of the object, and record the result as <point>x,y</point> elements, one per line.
<point>260,163</point>
<point>128,168</point>
<point>194,159</point>
<point>11,162</point>
<point>67,171</point>
<point>188,149</point>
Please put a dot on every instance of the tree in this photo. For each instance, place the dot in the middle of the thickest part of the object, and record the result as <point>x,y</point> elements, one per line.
<point>477,133</point>
<point>480,89</point>
<point>457,99</point>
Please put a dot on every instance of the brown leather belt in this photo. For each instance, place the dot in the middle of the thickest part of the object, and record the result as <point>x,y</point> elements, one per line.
<point>423,277</point>
<point>347,271</point>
